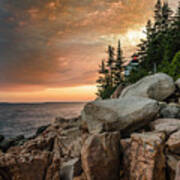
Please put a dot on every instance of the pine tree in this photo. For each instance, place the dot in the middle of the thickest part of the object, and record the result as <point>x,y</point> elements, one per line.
<point>102,80</point>
<point>110,64</point>
<point>166,17</point>
<point>118,65</point>
<point>158,16</point>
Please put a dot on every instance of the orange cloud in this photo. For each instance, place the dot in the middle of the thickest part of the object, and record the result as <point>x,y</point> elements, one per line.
<point>59,43</point>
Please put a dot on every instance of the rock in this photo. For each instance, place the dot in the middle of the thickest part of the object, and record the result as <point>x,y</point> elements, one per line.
<point>147,158</point>
<point>81,177</point>
<point>126,159</point>
<point>36,159</point>
<point>173,142</point>
<point>158,87</point>
<point>170,111</point>
<point>101,156</point>
<point>68,123</point>
<point>25,166</point>
<point>166,125</point>
<point>7,143</point>
<point>178,83</point>
<point>71,143</point>
<point>71,169</point>
<point>1,138</point>
<point>172,161</point>
<point>117,92</point>
<point>178,171</point>
<point>41,129</point>
<point>127,114</point>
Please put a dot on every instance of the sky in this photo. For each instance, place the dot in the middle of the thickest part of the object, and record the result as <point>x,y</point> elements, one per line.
<point>50,49</point>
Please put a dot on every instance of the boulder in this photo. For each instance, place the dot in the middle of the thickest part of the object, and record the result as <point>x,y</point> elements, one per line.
<point>125,114</point>
<point>81,177</point>
<point>71,141</point>
<point>37,159</point>
<point>170,111</point>
<point>173,142</point>
<point>71,169</point>
<point>68,123</point>
<point>178,171</point>
<point>117,92</point>
<point>158,87</point>
<point>101,156</point>
<point>126,159</point>
<point>178,83</point>
<point>25,165</point>
<point>147,157</point>
<point>172,161</point>
<point>166,125</point>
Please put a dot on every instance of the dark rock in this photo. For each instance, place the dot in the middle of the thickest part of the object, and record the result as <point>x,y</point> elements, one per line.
<point>41,129</point>
<point>1,138</point>
<point>170,111</point>
<point>7,143</point>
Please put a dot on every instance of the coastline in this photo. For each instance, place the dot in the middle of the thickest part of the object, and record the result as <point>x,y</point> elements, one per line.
<point>136,135</point>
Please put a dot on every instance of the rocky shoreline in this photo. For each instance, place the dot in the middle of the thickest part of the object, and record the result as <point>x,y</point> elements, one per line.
<point>135,136</point>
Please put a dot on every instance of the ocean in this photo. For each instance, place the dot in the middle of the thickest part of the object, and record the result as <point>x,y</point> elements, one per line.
<point>24,119</point>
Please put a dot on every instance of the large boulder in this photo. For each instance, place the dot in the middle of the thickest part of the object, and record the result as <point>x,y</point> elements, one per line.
<point>147,157</point>
<point>158,87</point>
<point>101,157</point>
<point>178,83</point>
<point>166,125</point>
<point>173,142</point>
<point>125,114</point>
<point>170,111</point>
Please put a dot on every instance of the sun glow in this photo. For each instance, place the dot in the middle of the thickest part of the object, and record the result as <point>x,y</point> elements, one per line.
<point>79,93</point>
<point>133,36</point>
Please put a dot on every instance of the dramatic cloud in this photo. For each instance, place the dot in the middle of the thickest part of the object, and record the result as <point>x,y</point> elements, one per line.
<point>59,43</point>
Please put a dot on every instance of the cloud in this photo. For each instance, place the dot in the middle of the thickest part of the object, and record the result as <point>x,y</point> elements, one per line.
<point>59,43</point>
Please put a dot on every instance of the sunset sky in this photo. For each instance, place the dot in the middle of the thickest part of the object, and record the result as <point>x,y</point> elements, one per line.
<point>50,49</point>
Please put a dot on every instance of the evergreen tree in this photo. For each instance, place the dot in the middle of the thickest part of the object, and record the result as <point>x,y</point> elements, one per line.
<point>118,65</point>
<point>158,16</point>
<point>166,17</point>
<point>102,80</point>
<point>110,64</point>
<point>175,66</point>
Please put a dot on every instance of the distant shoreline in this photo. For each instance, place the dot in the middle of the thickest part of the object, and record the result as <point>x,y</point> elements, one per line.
<point>40,103</point>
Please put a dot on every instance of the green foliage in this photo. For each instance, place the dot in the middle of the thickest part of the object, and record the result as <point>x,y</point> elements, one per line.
<point>161,44</point>
<point>110,73</point>
<point>175,67</point>
<point>159,52</point>
<point>105,93</point>
<point>135,75</point>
